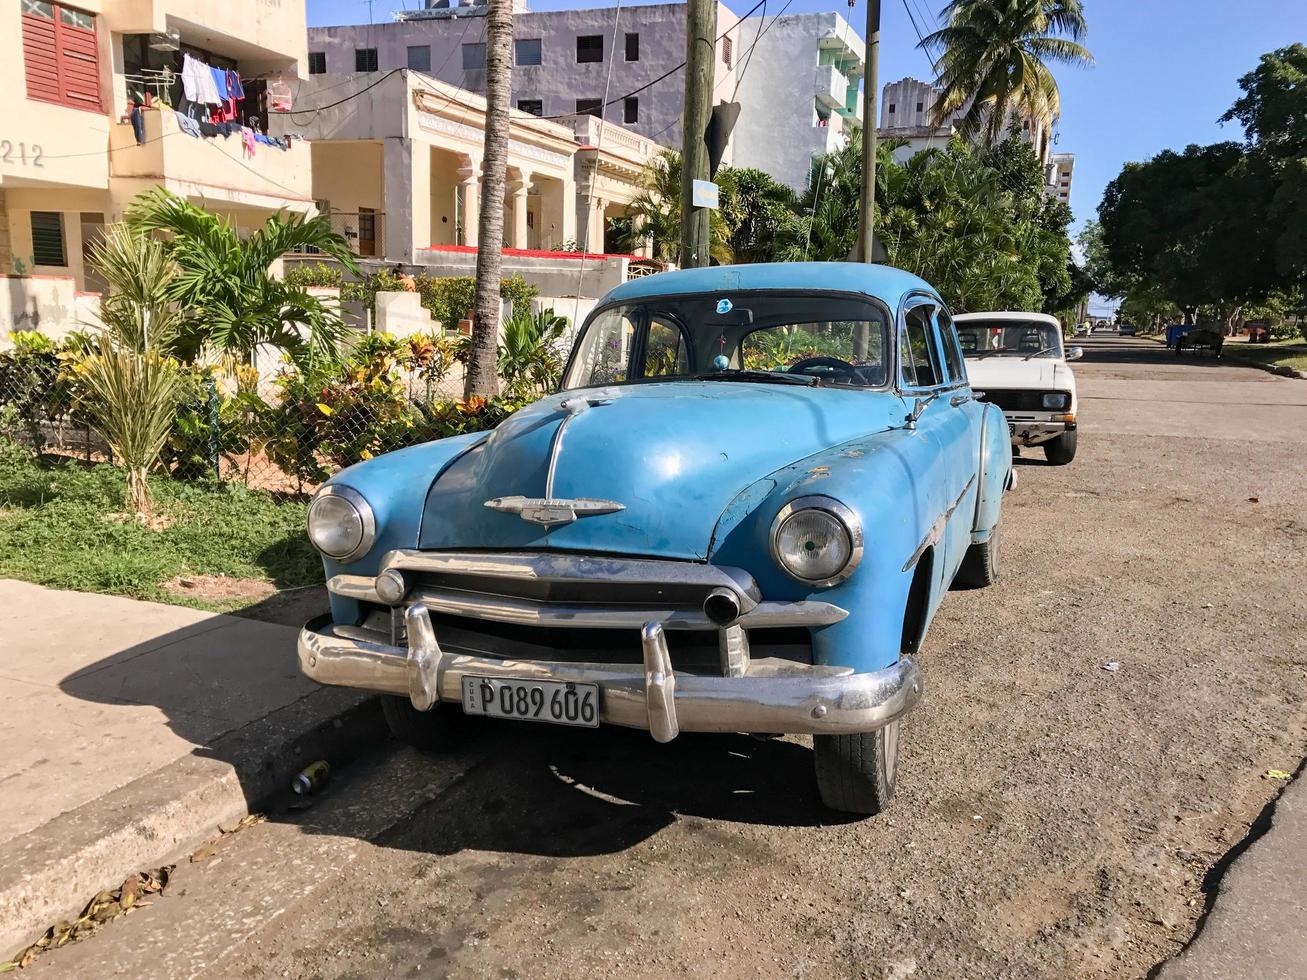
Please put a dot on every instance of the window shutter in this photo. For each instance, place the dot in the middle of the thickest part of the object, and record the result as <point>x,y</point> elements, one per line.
<point>61,59</point>
<point>80,65</point>
<point>39,59</point>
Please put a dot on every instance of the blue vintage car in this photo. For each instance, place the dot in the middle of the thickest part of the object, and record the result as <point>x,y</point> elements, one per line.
<point>738,514</point>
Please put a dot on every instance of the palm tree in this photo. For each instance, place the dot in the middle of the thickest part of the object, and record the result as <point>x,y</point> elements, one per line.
<point>131,385</point>
<point>656,212</point>
<point>757,208</point>
<point>992,61</point>
<point>231,302</point>
<point>481,379</point>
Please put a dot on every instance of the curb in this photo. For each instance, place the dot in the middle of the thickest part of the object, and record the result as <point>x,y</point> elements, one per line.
<point>51,872</point>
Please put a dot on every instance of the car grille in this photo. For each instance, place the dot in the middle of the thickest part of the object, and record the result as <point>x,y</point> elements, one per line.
<point>1016,399</point>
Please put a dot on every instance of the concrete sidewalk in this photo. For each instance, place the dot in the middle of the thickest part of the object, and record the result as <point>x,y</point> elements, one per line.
<point>131,730</point>
<point>1257,929</point>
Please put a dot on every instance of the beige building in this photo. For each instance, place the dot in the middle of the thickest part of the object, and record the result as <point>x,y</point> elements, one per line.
<point>397,164</point>
<point>71,158</point>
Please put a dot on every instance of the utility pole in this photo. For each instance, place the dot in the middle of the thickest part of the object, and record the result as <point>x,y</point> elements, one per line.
<point>700,48</point>
<point>870,84</point>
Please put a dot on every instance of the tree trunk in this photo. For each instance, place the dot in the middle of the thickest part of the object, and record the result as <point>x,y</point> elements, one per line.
<point>481,379</point>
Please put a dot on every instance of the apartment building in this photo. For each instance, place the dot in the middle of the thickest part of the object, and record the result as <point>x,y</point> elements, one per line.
<point>566,62</point>
<point>397,161</point>
<point>905,114</point>
<point>72,157</point>
<point>1060,167</point>
<point>800,92</point>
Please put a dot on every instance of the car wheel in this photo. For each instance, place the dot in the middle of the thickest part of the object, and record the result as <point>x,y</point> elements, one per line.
<point>425,730</point>
<point>980,564</point>
<point>1061,450</point>
<point>856,773</point>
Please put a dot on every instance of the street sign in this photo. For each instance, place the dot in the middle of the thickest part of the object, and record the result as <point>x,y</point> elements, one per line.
<point>704,195</point>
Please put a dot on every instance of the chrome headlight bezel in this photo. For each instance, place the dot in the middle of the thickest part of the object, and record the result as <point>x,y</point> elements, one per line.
<point>843,514</point>
<point>367,521</point>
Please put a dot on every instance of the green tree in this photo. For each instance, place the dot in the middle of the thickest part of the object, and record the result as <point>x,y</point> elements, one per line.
<point>1273,108</point>
<point>757,208</point>
<point>656,213</point>
<point>1186,225</point>
<point>231,302</point>
<point>975,224</point>
<point>993,56</point>
<point>131,385</point>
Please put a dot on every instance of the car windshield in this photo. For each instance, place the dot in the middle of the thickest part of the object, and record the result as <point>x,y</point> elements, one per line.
<point>1009,338</point>
<point>759,337</point>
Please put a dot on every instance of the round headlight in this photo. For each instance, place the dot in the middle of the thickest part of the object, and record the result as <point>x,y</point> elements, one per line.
<point>341,524</point>
<point>1057,399</point>
<point>817,540</point>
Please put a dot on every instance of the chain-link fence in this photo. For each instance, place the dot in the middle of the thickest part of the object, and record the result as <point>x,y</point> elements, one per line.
<point>270,424</point>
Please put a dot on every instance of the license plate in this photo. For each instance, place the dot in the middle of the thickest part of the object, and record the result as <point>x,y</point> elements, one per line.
<point>557,702</point>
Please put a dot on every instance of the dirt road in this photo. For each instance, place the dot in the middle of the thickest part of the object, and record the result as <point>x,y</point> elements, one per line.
<point>1053,818</point>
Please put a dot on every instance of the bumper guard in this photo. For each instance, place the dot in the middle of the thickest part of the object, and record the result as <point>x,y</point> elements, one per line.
<point>771,695</point>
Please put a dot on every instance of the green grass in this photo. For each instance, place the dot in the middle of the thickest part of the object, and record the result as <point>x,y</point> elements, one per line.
<point>57,528</point>
<point>1286,353</point>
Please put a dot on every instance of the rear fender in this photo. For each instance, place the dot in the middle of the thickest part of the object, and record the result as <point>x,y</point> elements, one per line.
<point>995,470</point>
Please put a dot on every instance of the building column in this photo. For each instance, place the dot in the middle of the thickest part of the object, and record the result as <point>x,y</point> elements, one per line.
<point>469,197</point>
<point>569,210</point>
<point>397,193</point>
<point>518,183</point>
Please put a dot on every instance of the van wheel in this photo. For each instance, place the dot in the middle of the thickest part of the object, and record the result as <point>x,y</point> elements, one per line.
<point>980,564</point>
<point>1061,450</point>
<point>438,728</point>
<point>856,773</point>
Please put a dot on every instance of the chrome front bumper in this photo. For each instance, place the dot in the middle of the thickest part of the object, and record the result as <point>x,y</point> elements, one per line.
<point>768,695</point>
<point>1027,432</point>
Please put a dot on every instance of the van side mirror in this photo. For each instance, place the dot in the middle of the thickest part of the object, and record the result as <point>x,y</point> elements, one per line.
<point>1074,353</point>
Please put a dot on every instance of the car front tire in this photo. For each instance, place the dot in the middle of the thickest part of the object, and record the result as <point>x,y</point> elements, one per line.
<point>438,728</point>
<point>979,566</point>
<point>1061,450</point>
<point>856,773</point>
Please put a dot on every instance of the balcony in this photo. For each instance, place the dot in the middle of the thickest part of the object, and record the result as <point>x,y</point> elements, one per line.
<point>831,87</point>
<point>213,169</point>
<point>262,36</point>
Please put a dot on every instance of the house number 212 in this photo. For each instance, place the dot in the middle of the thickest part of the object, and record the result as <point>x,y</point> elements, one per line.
<point>27,153</point>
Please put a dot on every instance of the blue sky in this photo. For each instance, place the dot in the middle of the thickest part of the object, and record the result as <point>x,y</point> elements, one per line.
<point>1165,69</point>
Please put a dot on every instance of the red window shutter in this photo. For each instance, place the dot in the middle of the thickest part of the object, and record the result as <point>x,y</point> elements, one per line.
<point>61,61</point>
<point>80,66</point>
<point>40,62</point>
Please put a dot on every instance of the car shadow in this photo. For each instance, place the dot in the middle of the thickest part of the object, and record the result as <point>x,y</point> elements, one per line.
<point>232,688</point>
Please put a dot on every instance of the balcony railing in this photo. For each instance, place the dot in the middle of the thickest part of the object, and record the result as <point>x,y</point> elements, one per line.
<point>220,166</point>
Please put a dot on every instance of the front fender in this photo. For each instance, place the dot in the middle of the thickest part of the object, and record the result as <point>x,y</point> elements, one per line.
<point>395,485</point>
<point>892,480</point>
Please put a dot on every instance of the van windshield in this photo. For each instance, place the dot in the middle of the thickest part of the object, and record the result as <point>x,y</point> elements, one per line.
<point>810,339</point>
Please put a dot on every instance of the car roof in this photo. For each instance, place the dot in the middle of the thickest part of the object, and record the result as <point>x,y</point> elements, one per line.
<point>1008,315</point>
<point>881,281</point>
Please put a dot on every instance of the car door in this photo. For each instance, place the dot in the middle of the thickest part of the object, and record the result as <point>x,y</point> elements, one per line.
<point>962,436</point>
<point>923,376</point>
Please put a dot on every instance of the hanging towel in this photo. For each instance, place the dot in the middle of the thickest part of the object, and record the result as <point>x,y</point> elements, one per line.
<point>247,140</point>
<point>191,78</point>
<point>188,125</point>
<point>206,89</point>
<point>220,83</point>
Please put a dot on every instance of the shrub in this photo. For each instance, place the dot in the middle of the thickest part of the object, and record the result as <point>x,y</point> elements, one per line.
<point>317,274</point>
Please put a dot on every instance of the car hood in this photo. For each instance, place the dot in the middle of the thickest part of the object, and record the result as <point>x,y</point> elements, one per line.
<point>672,454</point>
<point>1017,372</point>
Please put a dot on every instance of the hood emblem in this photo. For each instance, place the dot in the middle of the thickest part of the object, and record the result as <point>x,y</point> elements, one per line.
<point>552,511</point>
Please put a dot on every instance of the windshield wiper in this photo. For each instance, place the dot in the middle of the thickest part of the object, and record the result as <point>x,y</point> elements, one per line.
<point>1046,350</point>
<point>991,352</point>
<point>775,377</point>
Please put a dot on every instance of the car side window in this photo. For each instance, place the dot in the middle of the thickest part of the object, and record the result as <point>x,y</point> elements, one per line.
<point>666,353</point>
<point>917,353</point>
<point>948,337</point>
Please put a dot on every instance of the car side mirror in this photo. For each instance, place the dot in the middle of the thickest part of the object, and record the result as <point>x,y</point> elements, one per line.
<point>1074,353</point>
